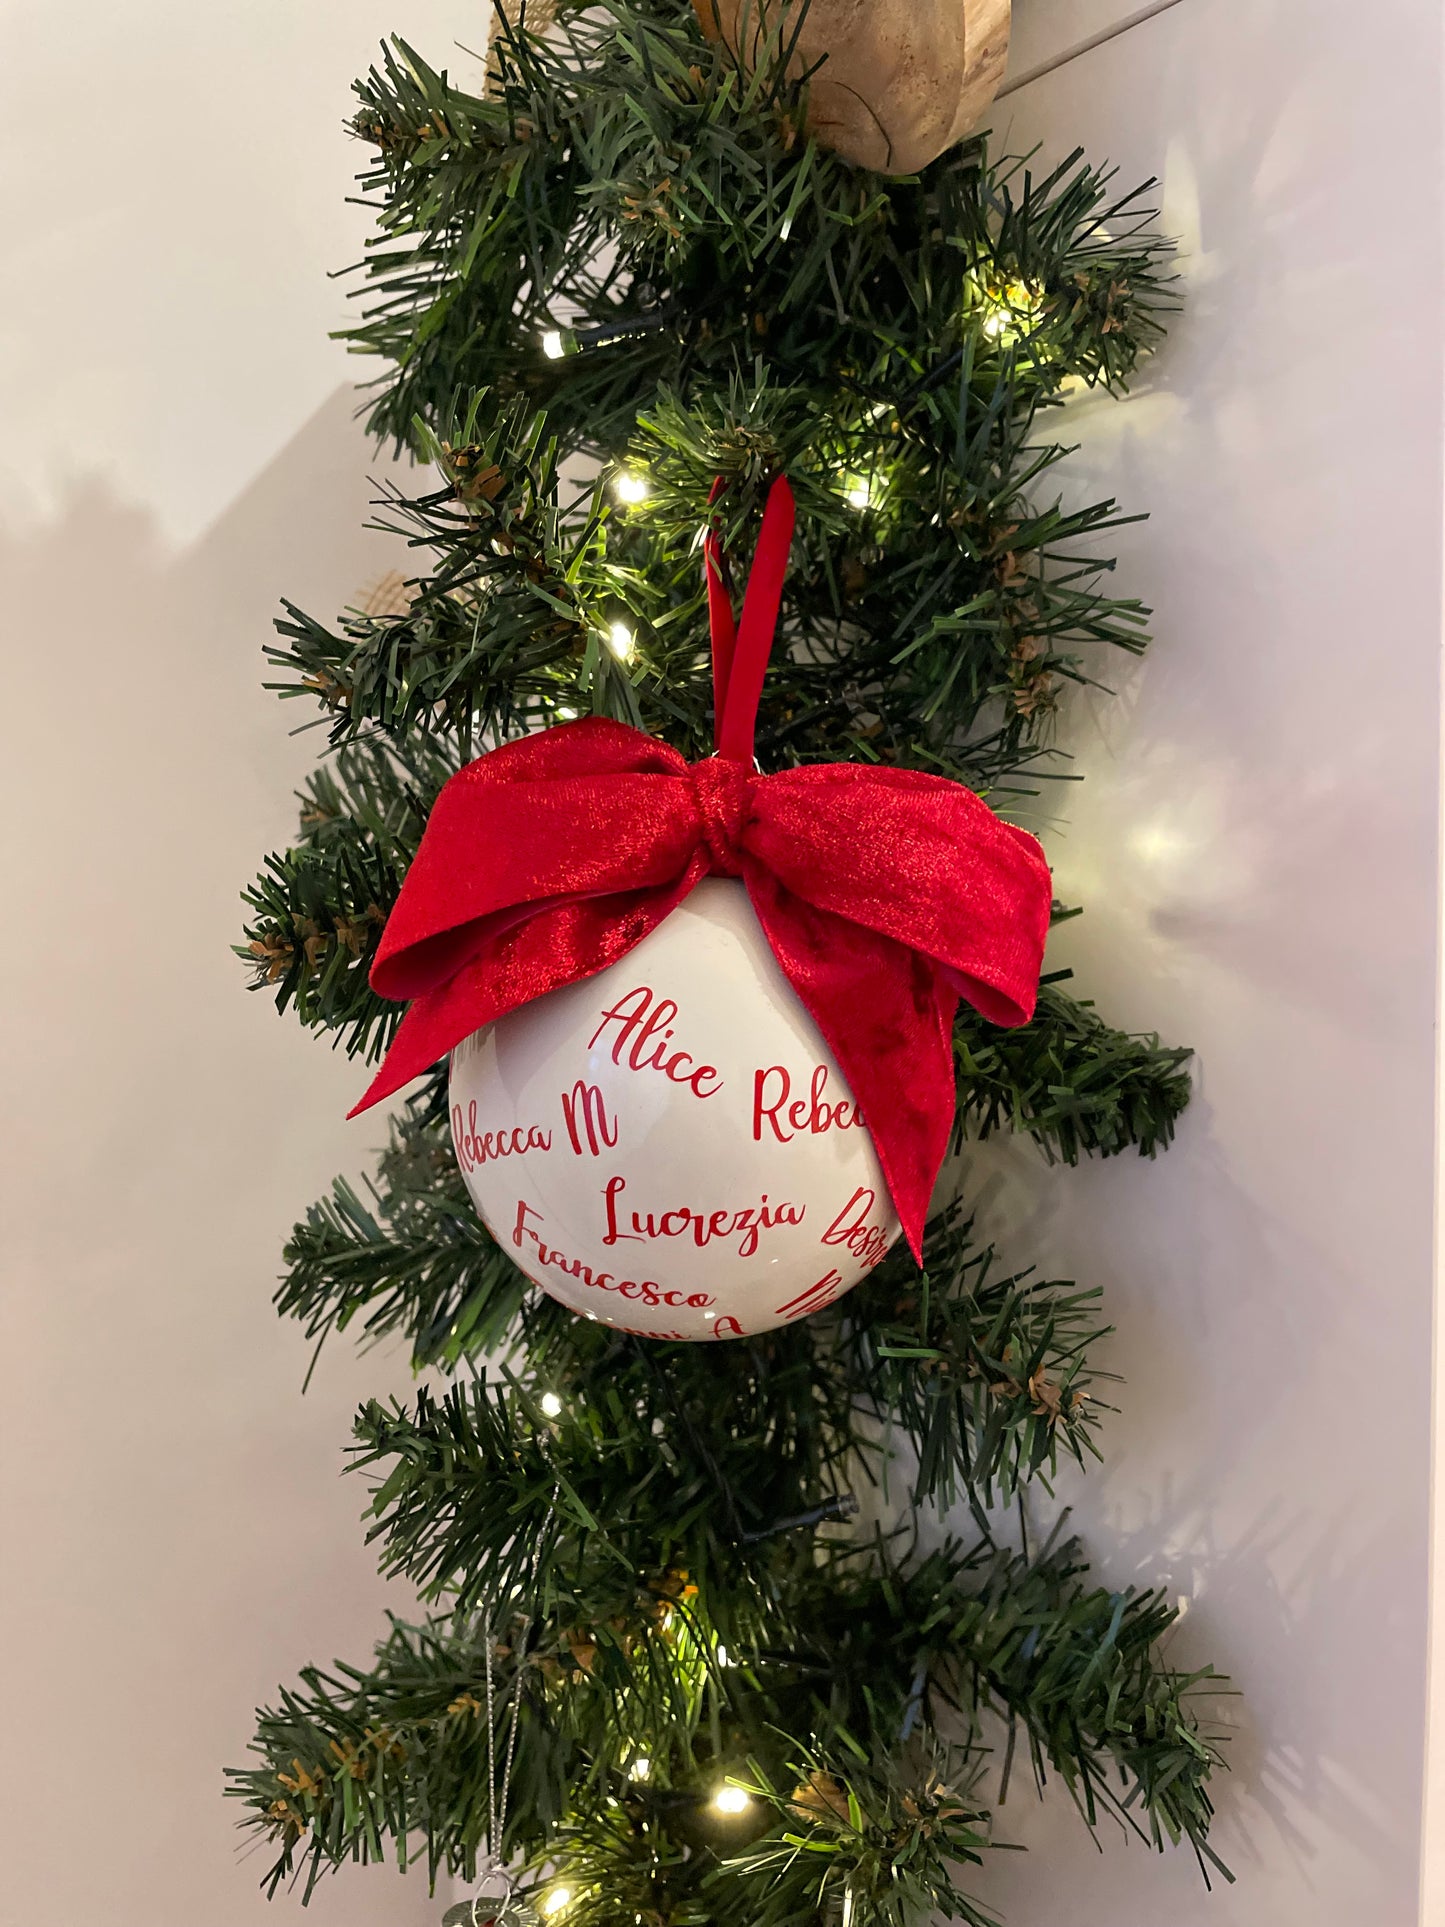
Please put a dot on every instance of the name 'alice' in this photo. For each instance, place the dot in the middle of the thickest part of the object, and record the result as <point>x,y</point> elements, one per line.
<point>643,1038</point>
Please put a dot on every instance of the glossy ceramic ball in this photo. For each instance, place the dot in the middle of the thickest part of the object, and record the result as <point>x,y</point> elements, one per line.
<point>669,1147</point>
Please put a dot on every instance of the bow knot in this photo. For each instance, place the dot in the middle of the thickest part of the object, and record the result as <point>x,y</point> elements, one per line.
<point>722,790</point>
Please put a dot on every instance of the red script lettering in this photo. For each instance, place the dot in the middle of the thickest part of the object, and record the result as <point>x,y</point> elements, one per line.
<point>583,1111</point>
<point>771,1091</point>
<point>645,1291</point>
<point>644,1034</point>
<point>700,1226</point>
<point>476,1147</point>
<point>867,1242</point>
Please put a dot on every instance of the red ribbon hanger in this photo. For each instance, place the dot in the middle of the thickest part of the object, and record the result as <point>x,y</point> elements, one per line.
<point>740,654</point>
<point>884,894</point>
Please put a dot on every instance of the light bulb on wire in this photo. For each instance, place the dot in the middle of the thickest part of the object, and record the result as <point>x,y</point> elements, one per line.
<point>639,1768</point>
<point>555,1899</point>
<point>1010,308</point>
<point>553,346</point>
<point>631,488</point>
<point>551,1404</point>
<point>731,1800</point>
<point>621,641</point>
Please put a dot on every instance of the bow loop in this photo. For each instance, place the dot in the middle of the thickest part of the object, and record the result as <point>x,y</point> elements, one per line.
<point>723,791</point>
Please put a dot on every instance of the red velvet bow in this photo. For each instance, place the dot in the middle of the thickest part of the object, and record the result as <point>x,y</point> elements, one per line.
<point>885,894</point>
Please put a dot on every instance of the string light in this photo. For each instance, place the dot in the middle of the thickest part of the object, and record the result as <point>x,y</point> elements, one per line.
<point>640,1769</point>
<point>862,491</point>
<point>631,488</point>
<point>621,641</point>
<point>555,1899</point>
<point>553,346</point>
<point>1010,308</point>
<point>551,1405</point>
<point>722,1656</point>
<point>731,1799</point>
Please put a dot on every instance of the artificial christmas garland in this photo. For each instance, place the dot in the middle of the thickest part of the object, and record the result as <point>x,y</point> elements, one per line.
<point>713,1696</point>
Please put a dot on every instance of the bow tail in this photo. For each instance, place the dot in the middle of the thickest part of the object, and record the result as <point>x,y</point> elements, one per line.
<point>886,1013</point>
<point>561,944</point>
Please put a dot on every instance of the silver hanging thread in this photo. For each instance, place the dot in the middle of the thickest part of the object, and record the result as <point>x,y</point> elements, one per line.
<point>495,1904</point>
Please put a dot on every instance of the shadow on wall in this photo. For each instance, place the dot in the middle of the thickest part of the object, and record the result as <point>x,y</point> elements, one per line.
<point>177,1540</point>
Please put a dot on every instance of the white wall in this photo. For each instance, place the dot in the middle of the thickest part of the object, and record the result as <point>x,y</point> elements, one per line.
<point>1257,847</point>
<point>1256,844</point>
<point>178,451</point>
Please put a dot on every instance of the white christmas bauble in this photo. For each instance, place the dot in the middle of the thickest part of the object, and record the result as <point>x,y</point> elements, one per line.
<point>669,1146</point>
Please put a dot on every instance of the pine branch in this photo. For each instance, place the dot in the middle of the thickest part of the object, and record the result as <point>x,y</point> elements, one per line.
<point>882,1838</point>
<point>411,1256</point>
<point>979,1630</point>
<point>1074,1084</point>
<point>354,1760</point>
<point>933,627</point>
<point>1077,1668</point>
<point>834,1725</point>
<point>990,1376</point>
<point>483,1487</point>
<point>317,911</point>
<point>497,633</point>
<point>592,186</point>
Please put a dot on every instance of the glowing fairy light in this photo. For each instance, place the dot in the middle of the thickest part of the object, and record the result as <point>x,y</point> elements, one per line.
<point>551,1405</point>
<point>722,1656</point>
<point>862,491</point>
<point>555,1900</point>
<point>640,1768</point>
<point>1010,308</point>
<point>621,641</point>
<point>631,488</point>
<point>553,346</point>
<point>730,1800</point>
